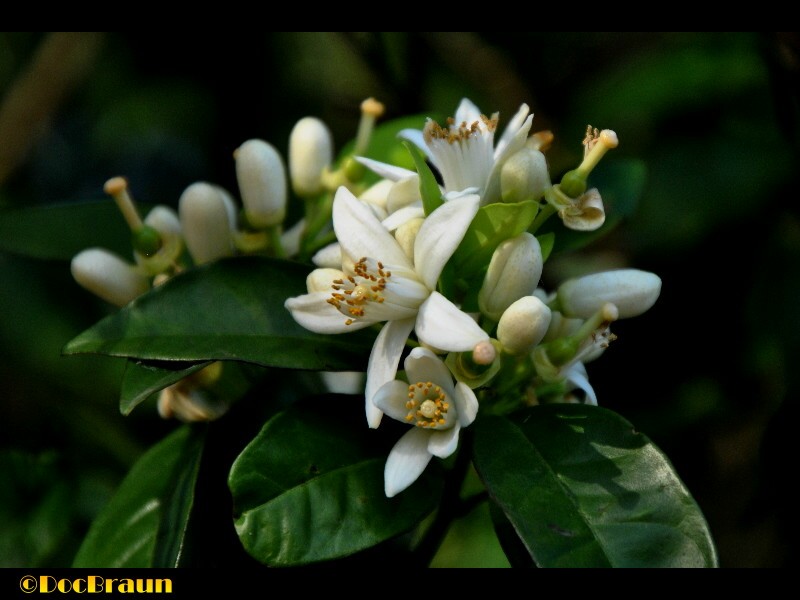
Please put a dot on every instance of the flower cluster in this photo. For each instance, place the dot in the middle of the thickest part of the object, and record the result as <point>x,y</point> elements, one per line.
<point>424,264</point>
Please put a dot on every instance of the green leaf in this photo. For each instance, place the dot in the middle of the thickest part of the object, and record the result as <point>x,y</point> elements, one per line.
<point>621,184</point>
<point>145,522</point>
<point>309,487</point>
<point>546,242</point>
<point>143,378</point>
<point>515,551</point>
<point>230,310</point>
<point>584,489</point>
<point>493,224</point>
<point>60,231</point>
<point>428,188</point>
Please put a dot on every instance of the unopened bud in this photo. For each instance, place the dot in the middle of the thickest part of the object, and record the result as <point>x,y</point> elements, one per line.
<point>513,272</point>
<point>262,183</point>
<point>310,153</point>
<point>406,235</point>
<point>524,176</point>
<point>631,291</point>
<point>205,223</point>
<point>329,256</point>
<point>108,276</point>
<point>321,280</point>
<point>523,325</point>
<point>165,222</point>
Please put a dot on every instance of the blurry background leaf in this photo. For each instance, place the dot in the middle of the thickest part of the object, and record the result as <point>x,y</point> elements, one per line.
<point>243,318</point>
<point>145,522</point>
<point>584,489</point>
<point>317,471</point>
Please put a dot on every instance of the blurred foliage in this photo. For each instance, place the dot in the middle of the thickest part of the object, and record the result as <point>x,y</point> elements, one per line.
<point>707,374</point>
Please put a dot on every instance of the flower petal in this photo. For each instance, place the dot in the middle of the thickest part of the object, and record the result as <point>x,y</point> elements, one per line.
<point>361,234</point>
<point>466,404</point>
<point>587,215</point>
<point>423,365</point>
<point>391,398</point>
<point>440,235</point>
<point>383,361</point>
<point>578,378</point>
<point>491,192</point>
<point>406,461</point>
<point>443,442</point>
<point>403,215</point>
<point>329,256</point>
<point>512,129</point>
<point>442,325</point>
<point>313,312</point>
<point>467,111</point>
<point>384,169</point>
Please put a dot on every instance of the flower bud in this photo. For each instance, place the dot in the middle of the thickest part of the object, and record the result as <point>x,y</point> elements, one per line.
<point>262,183</point>
<point>310,153</point>
<point>630,290</point>
<point>524,176</point>
<point>108,276</point>
<point>329,256</point>
<point>205,223</point>
<point>513,272</point>
<point>406,235</point>
<point>523,325</point>
<point>165,222</point>
<point>344,382</point>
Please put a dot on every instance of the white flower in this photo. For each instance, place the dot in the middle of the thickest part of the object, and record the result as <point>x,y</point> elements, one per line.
<point>464,151</point>
<point>380,283</point>
<point>435,408</point>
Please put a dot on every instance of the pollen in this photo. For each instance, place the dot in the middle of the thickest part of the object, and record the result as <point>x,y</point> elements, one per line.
<point>427,405</point>
<point>458,132</point>
<point>352,295</point>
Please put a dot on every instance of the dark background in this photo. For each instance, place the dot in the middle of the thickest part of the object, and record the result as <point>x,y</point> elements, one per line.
<point>708,373</point>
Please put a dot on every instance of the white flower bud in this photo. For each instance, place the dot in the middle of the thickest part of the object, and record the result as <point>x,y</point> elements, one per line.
<point>329,256</point>
<point>310,153</point>
<point>523,325</point>
<point>108,276</point>
<point>205,222</point>
<point>321,280</point>
<point>630,290</point>
<point>524,176</point>
<point>344,382</point>
<point>164,220</point>
<point>406,235</point>
<point>262,183</point>
<point>513,272</point>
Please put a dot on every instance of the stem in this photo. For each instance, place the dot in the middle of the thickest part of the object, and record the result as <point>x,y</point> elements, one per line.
<point>543,215</point>
<point>449,507</point>
<point>318,214</point>
<point>274,234</point>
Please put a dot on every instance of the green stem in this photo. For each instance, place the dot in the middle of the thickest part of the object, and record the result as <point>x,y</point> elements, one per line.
<point>318,214</point>
<point>449,507</point>
<point>274,234</point>
<point>543,215</point>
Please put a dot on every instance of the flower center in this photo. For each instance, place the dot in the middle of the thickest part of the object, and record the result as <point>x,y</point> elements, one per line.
<point>352,295</point>
<point>428,406</point>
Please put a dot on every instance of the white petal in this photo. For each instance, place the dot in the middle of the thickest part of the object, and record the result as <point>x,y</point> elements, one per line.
<point>440,235</point>
<point>423,365</point>
<point>391,398</point>
<point>378,193</point>
<point>321,280</point>
<point>403,193</point>
<point>577,376</point>
<point>406,461</point>
<point>442,325</point>
<point>587,215</point>
<point>511,130</point>
<point>290,239</point>
<point>315,314</point>
<point>467,111</point>
<point>361,234</point>
<point>443,442</point>
<point>401,216</point>
<point>466,404</point>
<point>415,137</point>
<point>383,361</point>
<point>164,220</point>
<point>491,192</point>
<point>385,170</point>
<point>330,256</point>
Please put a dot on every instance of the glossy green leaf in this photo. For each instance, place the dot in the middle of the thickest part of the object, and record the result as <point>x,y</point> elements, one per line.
<point>428,188</point>
<point>515,551</point>
<point>60,231</point>
<point>546,242</point>
<point>493,224</point>
<point>145,522</point>
<point>584,489</point>
<point>143,378</point>
<point>309,487</point>
<point>621,184</point>
<point>230,310</point>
